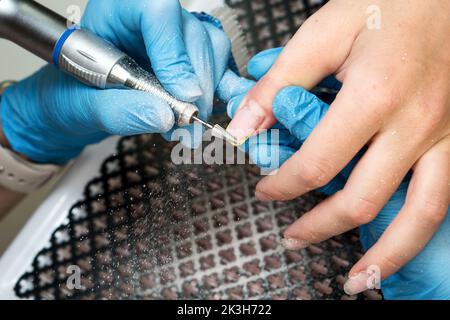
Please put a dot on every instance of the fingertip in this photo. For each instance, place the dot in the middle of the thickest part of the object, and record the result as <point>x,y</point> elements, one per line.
<point>262,196</point>
<point>267,188</point>
<point>357,283</point>
<point>133,112</point>
<point>155,112</point>
<point>247,120</point>
<point>164,119</point>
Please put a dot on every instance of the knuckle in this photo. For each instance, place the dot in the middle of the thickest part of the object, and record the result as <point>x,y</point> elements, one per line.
<point>433,116</point>
<point>432,212</point>
<point>314,173</point>
<point>374,92</point>
<point>377,103</point>
<point>391,261</point>
<point>384,99</point>
<point>362,211</point>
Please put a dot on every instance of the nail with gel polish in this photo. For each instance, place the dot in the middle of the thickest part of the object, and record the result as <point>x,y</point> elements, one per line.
<point>247,121</point>
<point>263,196</point>
<point>357,284</point>
<point>294,244</point>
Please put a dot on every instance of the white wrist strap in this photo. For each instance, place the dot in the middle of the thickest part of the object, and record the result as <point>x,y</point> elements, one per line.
<point>23,176</point>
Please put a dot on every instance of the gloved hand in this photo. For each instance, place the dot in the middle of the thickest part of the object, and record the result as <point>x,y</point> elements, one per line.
<point>426,276</point>
<point>50,117</point>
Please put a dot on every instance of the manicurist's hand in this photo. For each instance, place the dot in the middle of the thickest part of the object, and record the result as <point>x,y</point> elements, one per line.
<point>389,238</point>
<point>393,60</point>
<point>50,117</point>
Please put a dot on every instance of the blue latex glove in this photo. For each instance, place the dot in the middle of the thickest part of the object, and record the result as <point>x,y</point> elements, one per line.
<point>50,117</point>
<point>427,276</point>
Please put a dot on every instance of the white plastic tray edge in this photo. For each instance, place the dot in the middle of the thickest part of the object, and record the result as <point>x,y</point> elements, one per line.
<point>35,235</point>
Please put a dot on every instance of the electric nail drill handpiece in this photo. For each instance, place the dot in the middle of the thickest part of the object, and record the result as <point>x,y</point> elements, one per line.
<point>85,56</point>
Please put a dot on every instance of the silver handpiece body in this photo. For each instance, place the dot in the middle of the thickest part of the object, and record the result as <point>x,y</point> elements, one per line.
<point>81,53</point>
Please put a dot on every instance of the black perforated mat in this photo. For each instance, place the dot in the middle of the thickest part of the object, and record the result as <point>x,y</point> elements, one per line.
<point>150,229</point>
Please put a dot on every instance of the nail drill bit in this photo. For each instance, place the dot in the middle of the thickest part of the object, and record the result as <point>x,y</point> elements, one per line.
<point>218,131</point>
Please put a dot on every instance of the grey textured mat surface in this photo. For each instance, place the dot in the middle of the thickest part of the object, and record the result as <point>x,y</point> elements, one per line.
<point>150,229</point>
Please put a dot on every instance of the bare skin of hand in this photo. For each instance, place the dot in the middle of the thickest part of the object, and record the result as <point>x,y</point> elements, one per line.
<point>395,100</point>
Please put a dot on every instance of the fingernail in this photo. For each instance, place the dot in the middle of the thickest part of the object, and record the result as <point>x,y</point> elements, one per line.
<point>263,196</point>
<point>356,284</point>
<point>247,121</point>
<point>294,244</point>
